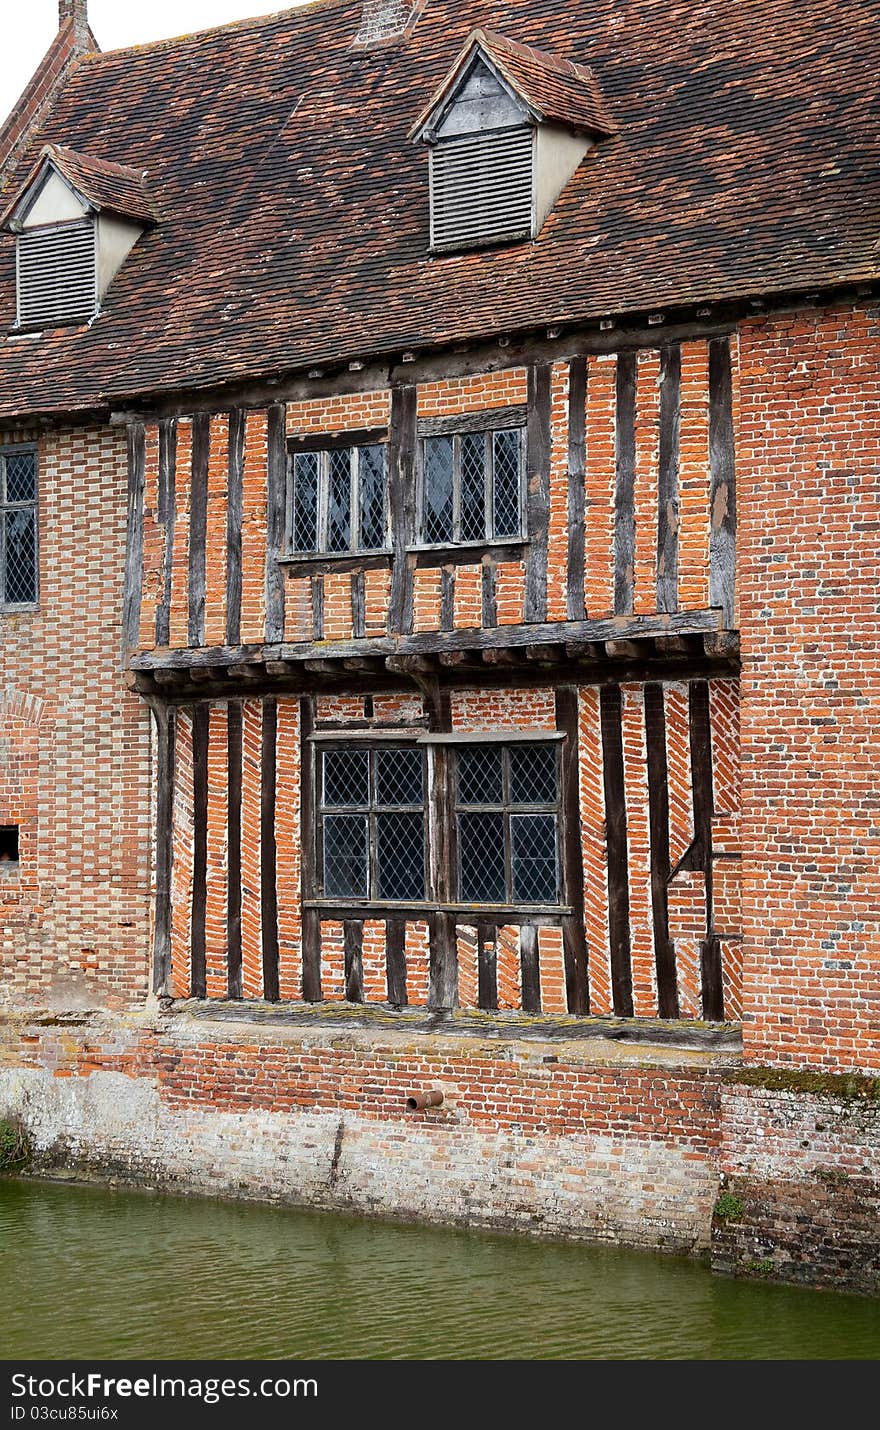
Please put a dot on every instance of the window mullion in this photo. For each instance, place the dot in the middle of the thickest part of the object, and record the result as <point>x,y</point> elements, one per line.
<point>323,501</point>
<point>355,518</point>
<point>489,485</point>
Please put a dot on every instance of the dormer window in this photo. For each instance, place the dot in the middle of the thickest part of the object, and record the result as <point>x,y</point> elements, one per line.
<point>506,131</point>
<point>76,219</point>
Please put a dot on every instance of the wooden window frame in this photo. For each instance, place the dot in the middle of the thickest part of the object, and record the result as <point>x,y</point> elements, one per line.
<point>509,811</point>
<point>324,449</point>
<point>30,449</point>
<point>372,812</point>
<point>456,431</point>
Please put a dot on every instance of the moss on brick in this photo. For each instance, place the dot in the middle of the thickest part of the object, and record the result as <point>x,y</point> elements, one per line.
<point>839,1087</point>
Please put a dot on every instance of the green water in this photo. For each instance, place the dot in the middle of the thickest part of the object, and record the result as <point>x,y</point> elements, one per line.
<point>91,1273</point>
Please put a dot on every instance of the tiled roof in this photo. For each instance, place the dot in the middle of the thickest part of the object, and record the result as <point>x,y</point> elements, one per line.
<point>294,209</point>
<point>114,187</point>
<point>555,89</point>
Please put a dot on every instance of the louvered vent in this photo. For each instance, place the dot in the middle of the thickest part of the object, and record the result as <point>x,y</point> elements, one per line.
<point>57,274</point>
<point>481,189</point>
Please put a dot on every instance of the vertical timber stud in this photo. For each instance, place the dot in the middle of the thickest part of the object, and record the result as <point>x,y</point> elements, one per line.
<point>489,597</point>
<point>233,907</point>
<point>200,725</point>
<point>447,598</point>
<point>443,984</point>
<point>722,538</point>
<point>269,852</point>
<point>658,816</point>
<point>625,485</point>
<point>358,605</point>
<point>611,706</point>
<point>530,968</point>
<point>353,937</point>
<point>668,479</point>
<point>577,467</point>
<point>166,731</point>
<point>574,934</point>
<point>276,478</point>
<point>198,526</point>
<point>538,490</point>
<point>311,919</point>
<point>166,515</point>
<point>395,962</point>
<point>234,518</point>
<point>402,484</point>
<point>703,797</point>
<point>487,967</point>
<point>317,587</point>
<point>134,553</point>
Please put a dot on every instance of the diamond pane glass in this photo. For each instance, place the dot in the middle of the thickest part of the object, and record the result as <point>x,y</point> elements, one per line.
<point>21,477</point>
<point>400,856</point>
<point>481,859</point>
<point>21,557</point>
<point>304,536</point>
<point>399,779</point>
<point>345,856</point>
<point>339,502</point>
<point>438,515</point>
<point>533,856</point>
<point>506,483</point>
<point>533,778</point>
<point>347,779</point>
<point>371,488</point>
<point>473,487</point>
<point>480,779</point>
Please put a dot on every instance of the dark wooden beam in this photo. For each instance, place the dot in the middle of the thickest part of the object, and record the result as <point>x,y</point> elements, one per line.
<point>269,853</point>
<point>134,552</point>
<point>395,962</point>
<point>317,590</point>
<point>234,752</point>
<point>234,519</point>
<point>495,419</point>
<point>538,489</point>
<point>166,515</point>
<point>625,485</point>
<point>276,479</point>
<point>668,478</point>
<point>574,935</point>
<point>611,707</point>
<point>200,727</point>
<point>577,506</point>
<point>402,484</point>
<point>198,526</point>
<point>658,818</point>
<point>722,533</point>
<point>447,598</point>
<point>530,969</point>
<point>489,609</point>
<point>358,605</point>
<point>487,967</point>
<point>311,919</point>
<point>353,945</point>
<point>166,731</point>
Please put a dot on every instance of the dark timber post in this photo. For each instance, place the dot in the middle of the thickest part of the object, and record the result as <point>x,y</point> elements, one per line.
<point>166,515</point>
<point>198,526</point>
<point>200,726</point>
<point>625,483</point>
<point>703,796</point>
<point>311,919</point>
<point>611,707</point>
<point>395,962</point>
<point>233,895</point>
<point>658,815</point>
<point>538,489</point>
<point>402,439</point>
<point>166,732</point>
<point>234,518</point>
<point>574,936</point>
<point>269,852</point>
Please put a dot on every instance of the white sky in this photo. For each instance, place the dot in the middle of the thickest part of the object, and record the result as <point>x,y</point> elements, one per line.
<point>27,28</point>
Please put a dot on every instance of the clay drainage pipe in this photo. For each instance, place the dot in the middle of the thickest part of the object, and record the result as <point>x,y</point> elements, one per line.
<point>418,1101</point>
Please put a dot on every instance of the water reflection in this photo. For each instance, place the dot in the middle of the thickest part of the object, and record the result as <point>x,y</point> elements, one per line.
<point>96,1273</point>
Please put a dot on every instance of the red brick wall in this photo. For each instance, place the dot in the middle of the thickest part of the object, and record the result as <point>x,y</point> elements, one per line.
<point>75,749</point>
<point>809,574</point>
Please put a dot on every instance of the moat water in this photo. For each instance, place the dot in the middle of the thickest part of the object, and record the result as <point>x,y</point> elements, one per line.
<point>95,1273</point>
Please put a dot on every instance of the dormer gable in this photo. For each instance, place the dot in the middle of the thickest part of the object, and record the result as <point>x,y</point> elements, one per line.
<point>506,130</point>
<point>76,219</point>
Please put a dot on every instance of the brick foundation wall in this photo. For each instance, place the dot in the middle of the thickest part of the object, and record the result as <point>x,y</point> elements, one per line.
<point>602,1143</point>
<point>74,749</point>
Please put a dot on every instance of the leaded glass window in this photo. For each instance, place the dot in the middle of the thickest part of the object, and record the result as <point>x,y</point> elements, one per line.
<point>336,501</point>
<point>372,835</point>
<point>18,527</point>
<point>507,817</point>
<point>473,487</point>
